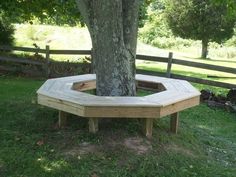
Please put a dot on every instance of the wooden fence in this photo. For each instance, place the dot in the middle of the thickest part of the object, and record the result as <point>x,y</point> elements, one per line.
<point>168,60</point>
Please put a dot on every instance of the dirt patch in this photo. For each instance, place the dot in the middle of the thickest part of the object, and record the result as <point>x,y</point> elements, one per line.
<point>82,149</point>
<point>137,145</point>
<point>181,150</point>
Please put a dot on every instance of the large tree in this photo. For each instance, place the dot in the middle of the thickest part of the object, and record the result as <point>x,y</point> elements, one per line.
<point>201,20</point>
<point>113,26</point>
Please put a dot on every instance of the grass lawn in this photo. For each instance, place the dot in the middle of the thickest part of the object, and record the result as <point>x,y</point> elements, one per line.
<point>32,146</point>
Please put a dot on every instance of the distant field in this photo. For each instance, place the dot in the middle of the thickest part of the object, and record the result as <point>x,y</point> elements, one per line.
<point>79,38</point>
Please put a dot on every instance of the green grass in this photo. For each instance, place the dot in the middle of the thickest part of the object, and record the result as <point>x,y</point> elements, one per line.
<point>32,146</point>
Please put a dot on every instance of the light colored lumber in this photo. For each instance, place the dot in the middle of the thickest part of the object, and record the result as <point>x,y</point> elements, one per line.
<point>65,94</point>
<point>122,112</point>
<point>179,106</point>
<point>61,105</point>
<point>93,125</point>
<point>174,122</point>
<point>147,127</point>
<point>62,119</point>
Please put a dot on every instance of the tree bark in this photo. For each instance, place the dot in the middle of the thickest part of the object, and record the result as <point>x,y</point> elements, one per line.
<point>113,26</point>
<point>204,48</point>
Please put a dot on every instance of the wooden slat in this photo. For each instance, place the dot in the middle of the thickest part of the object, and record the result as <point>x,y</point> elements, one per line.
<point>152,58</point>
<point>122,112</point>
<point>61,105</point>
<point>204,81</point>
<point>70,52</point>
<point>179,106</point>
<point>190,79</point>
<point>204,66</point>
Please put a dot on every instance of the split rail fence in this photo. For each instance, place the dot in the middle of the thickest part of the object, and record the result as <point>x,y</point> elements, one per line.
<point>170,61</point>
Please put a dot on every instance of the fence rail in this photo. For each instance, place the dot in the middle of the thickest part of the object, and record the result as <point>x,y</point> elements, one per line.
<point>168,60</point>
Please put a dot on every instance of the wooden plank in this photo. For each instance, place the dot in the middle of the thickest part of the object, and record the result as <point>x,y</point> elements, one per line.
<point>204,66</point>
<point>147,127</point>
<point>93,125</point>
<point>204,81</point>
<point>174,122</point>
<point>122,112</point>
<point>62,119</point>
<point>190,79</point>
<point>20,60</point>
<point>152,58</point>
<point>70,52</point>
<point>61,105</point>
<point>179,106</point>
<point>168,97</point>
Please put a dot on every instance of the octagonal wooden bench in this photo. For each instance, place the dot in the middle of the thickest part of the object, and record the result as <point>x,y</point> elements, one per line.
<point>66,95</point>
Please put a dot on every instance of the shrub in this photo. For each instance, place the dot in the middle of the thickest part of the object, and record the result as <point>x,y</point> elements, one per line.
<point>6,31</point>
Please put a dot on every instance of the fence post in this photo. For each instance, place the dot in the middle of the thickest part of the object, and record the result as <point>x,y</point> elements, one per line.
<point>47,61</point>
<point>168,71</point>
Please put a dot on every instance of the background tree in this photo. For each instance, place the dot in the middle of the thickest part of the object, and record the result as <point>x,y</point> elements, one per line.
<point>200,20</point>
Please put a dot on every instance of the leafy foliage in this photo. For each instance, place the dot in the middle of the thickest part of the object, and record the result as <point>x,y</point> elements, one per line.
<point>46,11</point>
<point>199,19</point>
<point>6,31</point>
<point>156,31</point>
<point>230,4</point>
<point>58,12</point>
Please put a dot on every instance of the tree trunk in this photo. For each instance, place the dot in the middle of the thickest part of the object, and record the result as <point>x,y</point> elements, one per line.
<point>113,28</point>
<point>204,48</point>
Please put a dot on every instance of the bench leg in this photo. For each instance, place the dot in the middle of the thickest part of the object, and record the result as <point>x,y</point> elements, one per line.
<point>62,119</point>
<point>174,121</point>
<point>147,127</point>
<point>93,125</point>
